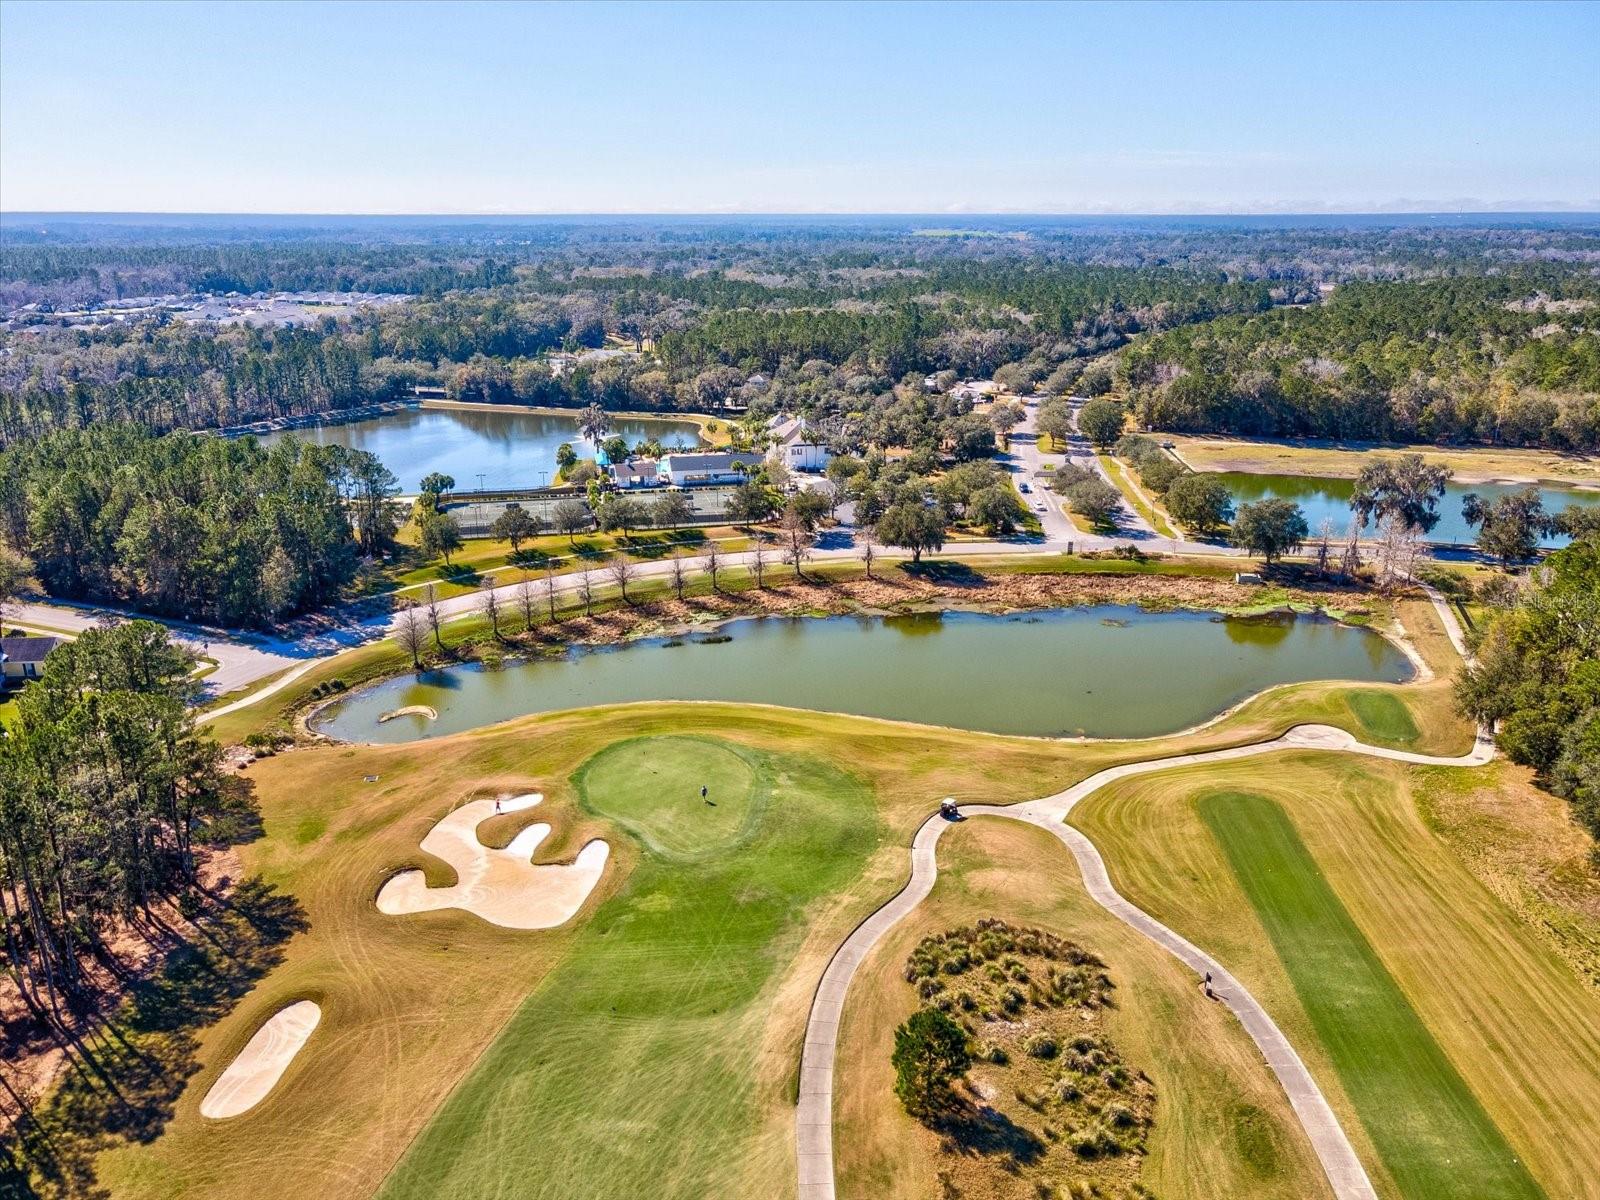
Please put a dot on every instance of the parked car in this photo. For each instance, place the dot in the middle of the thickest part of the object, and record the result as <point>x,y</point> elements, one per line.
<point>1024,487</point>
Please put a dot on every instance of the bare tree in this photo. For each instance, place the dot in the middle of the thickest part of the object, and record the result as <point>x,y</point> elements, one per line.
<point>758,563</point>
<point>1399,543</point>
<point>869,547</point>
<point>586,588</point>
<point>832,493</point>
<point>489,606</point>
<point>1324,547</point>
<point>434,618</point>
<point>713,561</point>
<point>1351,562</point>
<point>797,542</point>
<point>680,576</point>
<point>409,632</point>
<point>550,588</point>
<point>527,598</point>
<point>621,568</point>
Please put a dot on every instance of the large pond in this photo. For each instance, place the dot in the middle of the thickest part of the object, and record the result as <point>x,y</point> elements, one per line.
<point>1106,671</point>
<point>1322,498</point>
<point>507,448</point>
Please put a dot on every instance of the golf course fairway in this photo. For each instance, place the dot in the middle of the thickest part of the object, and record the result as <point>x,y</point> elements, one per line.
<point>632,1069</point>
<point>1432,1133</point>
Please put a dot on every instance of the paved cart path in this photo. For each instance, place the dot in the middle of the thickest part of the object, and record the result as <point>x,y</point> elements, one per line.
<point>814,1120</point>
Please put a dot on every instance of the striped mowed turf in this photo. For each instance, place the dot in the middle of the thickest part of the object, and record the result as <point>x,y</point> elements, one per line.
<point>1433,1134</point>
<point>634,1068</point>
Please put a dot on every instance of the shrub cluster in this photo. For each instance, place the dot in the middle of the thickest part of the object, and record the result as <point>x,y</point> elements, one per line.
<point>1069,974</point>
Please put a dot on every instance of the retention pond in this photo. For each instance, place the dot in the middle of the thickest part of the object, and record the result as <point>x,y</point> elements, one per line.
<point>1327,499</point>
<point>511,449</point>
<point>1105,671</point>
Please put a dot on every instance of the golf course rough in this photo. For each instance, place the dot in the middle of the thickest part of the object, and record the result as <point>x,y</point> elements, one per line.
<point>635,1067</point>
<point>503,886</point>
<point>1432,1133</point>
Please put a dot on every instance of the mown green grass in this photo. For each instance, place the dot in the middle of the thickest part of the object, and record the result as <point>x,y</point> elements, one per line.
<point>632,1069</point>
<point>1131,492</point>
<point>1430,1130</point>
<point>651,787</point>
<point>1384,716</point>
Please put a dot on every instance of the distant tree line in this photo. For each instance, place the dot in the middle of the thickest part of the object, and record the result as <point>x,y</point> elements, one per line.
<point>1511,358</point>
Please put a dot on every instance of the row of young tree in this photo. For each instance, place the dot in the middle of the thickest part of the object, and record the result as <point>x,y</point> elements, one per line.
<point>204,528</point>
<point>108,795</point>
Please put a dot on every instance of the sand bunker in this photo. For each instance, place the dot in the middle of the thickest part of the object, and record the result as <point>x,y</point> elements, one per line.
<point>262,1062</point>
<point>501,886</point>
<point>411,710</point>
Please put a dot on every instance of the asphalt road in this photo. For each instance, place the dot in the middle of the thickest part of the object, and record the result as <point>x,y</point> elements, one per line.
<point>245,658</point>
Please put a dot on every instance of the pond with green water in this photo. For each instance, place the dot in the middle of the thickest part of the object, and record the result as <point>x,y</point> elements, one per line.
<point>1104,671</point>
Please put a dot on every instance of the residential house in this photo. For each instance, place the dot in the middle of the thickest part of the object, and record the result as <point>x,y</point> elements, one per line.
<point>702,469</point>
<point>22,658</point>
<point>637,473</point>
<point>792,447</point>
<point>976,390</point>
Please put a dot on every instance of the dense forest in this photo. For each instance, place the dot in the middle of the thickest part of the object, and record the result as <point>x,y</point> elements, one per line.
<point>192,526</point>
<point>1456,332</point>
<point>1511,358</point>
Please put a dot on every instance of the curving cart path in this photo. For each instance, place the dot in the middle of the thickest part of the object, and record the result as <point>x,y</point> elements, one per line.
<point>814,1117</point>
<point>1346,1175</point>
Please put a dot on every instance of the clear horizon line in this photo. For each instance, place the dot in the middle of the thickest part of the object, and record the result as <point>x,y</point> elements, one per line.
<point>1572,210</point>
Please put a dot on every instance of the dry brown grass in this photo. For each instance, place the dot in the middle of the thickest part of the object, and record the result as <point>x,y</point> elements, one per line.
<point>1513,1018</point>
<point>1523,844</point>
<point>1471,464</point>
<point>1213,1089</point>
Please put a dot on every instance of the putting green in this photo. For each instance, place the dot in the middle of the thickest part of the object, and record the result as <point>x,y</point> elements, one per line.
<point>1384,716</point>
<point>651,787</point>
<point>1433,1134</point>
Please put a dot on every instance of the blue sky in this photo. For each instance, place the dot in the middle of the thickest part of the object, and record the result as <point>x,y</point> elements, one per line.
<point>500,108</point>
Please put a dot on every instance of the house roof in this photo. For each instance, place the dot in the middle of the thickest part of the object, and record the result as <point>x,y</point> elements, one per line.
<point>26,649</point>
<point>721,460</point>
<point>634,468</point>
<point>792,430</point>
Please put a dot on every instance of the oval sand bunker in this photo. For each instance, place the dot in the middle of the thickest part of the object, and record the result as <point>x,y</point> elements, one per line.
<point>504,887</point>
<point>262,1062</point>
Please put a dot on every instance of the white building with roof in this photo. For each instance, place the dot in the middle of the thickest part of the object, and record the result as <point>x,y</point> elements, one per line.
<point>637,473</point>
<point>699,469</point>
<point>794,447</point>
<point>22,658</point>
